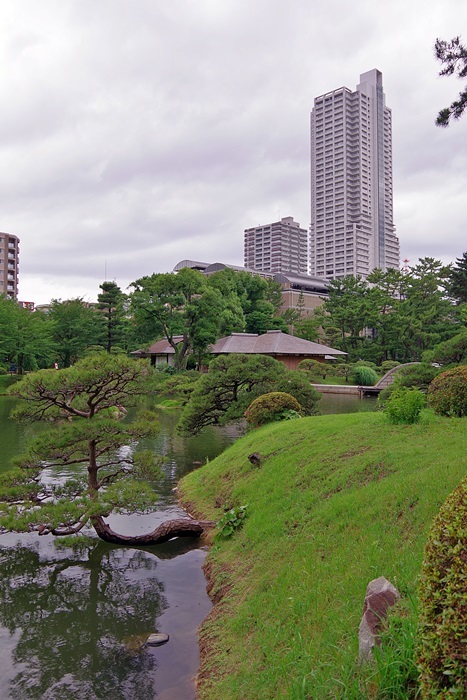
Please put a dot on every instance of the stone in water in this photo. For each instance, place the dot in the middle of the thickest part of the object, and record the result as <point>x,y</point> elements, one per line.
<point>156,640</point>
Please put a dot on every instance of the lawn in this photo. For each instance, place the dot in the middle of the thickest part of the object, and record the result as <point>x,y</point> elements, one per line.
<point>337,500</point>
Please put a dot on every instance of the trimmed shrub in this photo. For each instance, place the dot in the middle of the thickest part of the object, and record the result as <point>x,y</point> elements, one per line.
<point>442,648</point>
<point>447,393</point>
<point>364,376</point>
<point>271,407</point>
<point>404,405</point>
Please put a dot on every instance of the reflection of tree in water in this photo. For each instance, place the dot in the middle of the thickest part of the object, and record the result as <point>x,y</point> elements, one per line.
<point>73,614</point>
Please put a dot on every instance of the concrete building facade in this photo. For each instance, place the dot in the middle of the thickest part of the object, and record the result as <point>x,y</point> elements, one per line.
<point>278,247</point>
<point>352,229</point>
<point>9,265</point>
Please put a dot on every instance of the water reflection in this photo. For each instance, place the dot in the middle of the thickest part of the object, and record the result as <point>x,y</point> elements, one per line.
<point>75,615</point>
<point>72,624</point>
<point>346,403</point>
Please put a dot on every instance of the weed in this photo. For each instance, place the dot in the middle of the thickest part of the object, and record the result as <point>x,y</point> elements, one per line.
<point>231,521</point>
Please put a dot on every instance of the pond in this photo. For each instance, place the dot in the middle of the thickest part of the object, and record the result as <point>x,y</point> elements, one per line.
<point>73,622</point>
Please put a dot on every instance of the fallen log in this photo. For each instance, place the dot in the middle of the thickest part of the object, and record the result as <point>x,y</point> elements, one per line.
<point>178,527</point>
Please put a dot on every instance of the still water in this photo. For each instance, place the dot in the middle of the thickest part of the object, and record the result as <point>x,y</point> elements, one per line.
<point>73,622</point>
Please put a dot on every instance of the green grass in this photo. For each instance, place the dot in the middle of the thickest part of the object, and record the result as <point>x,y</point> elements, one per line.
<point>337,501</point>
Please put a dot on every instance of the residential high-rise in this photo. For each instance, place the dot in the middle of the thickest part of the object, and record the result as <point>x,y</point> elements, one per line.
<point>352,230</point>
<point>9,263</point>
<point>278,247</point>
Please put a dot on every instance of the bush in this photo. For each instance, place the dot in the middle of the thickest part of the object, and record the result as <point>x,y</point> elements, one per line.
<point>364,376</point>
<point>442,649</point>
<point>418,376</point>
<point>447,393</point>
<point>385,394</point>
<point>404,405</point>
<point>270,407</point>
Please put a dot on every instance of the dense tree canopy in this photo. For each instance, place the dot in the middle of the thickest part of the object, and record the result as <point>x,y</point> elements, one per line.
<point>453,56</point>
<point>457,280</point>
<point>393,315</point>
<point>76,326</point>
<point>174,306</point>
<point>25,337</point>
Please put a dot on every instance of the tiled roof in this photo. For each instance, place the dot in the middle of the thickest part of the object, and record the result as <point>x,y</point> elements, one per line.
<point>270,343</point>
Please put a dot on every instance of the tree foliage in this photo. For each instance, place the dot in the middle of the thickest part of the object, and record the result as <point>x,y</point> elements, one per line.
<point>111,303</point>
<point>453,56</point>
<point>180,307</point>
<point>452,351</point>
<point>457,280</point>
<point>233,381</point>
<point>347,308</point>
<point>25,337</point>
<point>223,394</point>
<point>76,326</point>
<point>397,316</point>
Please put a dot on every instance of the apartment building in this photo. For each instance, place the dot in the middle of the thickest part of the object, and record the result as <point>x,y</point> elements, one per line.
<point>9,263</point>
<point>352,229</point>
<point>278,247</point>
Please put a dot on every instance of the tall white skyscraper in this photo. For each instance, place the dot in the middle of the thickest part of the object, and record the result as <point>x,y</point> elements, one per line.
<point>352,230</point>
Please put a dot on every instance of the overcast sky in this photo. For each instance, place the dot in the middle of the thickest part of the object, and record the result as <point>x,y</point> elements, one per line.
<point>137,133</point>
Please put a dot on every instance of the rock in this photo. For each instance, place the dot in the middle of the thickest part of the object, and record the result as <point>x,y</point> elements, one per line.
<point>156,640</point>
<point>255,459</point>
<point>380,596</point>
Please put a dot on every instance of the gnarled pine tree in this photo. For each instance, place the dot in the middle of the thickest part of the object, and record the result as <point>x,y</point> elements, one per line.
<point>84,406</point>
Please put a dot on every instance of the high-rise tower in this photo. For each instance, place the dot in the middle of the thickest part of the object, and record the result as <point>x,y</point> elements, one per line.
<point>9,263</point>
<point>277,247</point>
<point>352,230</point>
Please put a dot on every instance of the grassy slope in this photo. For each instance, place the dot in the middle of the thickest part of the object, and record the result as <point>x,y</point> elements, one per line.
<point>339,500</point>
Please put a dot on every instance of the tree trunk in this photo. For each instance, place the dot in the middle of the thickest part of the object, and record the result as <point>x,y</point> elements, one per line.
<point>180,527</point>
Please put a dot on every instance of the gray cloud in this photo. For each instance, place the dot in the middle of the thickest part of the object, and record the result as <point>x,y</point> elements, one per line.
<point>134,135</point>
